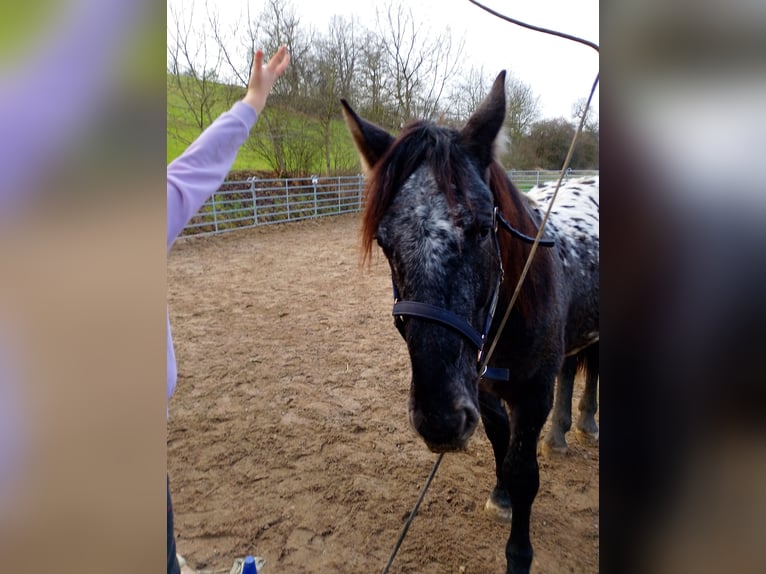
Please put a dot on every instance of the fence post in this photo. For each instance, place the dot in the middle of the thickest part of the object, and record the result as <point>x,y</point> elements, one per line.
<point>360,189</point>
<point>339,209</point>
<point>215,214</point>
<point>255,205</point>
<point>314,181</point>
<point>287,199</point>
<point>538,177</point>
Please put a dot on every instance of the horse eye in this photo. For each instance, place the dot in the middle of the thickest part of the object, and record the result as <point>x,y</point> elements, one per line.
<point>483,232</point>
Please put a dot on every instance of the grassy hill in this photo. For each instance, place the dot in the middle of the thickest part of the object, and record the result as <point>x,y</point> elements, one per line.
<point>182,129</point>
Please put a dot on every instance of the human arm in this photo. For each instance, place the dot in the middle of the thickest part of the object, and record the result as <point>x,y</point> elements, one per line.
<point>195,175</point>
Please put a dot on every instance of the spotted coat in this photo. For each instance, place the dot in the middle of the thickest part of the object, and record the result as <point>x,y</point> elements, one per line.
<point>573,224</point>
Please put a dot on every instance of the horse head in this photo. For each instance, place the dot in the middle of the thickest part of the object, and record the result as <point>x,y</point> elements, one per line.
<point>430,209</point>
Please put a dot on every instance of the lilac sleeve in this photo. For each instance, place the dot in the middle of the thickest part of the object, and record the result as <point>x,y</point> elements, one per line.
<point>195,175</point>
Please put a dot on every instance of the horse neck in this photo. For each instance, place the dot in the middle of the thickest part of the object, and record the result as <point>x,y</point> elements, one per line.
<point>537,289</point>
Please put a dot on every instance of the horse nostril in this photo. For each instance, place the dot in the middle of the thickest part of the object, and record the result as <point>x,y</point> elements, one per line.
<point>470,419</point>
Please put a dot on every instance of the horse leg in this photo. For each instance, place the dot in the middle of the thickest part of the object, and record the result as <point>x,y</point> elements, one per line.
<point>522,473</point>
<point>555,441</point>
<point>586,422</point>
<point>497,427</point>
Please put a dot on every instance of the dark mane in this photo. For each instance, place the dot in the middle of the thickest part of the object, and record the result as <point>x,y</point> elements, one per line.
<point>420,142</point>
<point>509,200</point>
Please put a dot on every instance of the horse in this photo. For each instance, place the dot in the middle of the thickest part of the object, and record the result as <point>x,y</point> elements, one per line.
<point>456,234</point>
<point>587,362</point>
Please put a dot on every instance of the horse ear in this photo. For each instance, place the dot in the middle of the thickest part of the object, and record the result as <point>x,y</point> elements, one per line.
<point>370,140</point>
<point>484,125</point>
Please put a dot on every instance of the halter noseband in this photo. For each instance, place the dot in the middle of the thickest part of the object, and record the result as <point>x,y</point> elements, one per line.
<point>449,319</point>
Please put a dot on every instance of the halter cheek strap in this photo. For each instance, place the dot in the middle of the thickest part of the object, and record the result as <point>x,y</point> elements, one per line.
<point>449,319</point>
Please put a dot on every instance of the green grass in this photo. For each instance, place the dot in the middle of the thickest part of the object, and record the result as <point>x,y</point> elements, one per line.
<point>182,129</point>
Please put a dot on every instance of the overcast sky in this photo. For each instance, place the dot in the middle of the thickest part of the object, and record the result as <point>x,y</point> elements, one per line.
<point>559,71</point>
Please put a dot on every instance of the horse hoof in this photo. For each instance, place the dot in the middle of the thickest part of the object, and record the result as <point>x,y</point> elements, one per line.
<point>587,436</point>
<point>548,449</point>
<point>499,513</point>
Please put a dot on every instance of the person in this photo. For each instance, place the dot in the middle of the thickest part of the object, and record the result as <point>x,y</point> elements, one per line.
<point>195,175</point>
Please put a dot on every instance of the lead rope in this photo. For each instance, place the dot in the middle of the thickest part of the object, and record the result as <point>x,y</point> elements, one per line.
<point>527,265</point>
<point>413,513</point>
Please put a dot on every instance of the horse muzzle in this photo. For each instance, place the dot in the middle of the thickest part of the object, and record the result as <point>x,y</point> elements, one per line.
<point>446,429</point>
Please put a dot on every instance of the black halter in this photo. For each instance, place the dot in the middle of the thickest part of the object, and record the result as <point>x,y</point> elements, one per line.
<point>449,319</point>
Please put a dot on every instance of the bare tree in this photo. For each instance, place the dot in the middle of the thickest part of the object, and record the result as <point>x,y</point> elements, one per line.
<point>467,93</point>
<point>336,57</point>
<point>268,138</point>
<point>280,25</point>
<point>290,132</point>
<point>283,134</point>
<point>591,119</point>
<point>399,33</point>
<point>522,111</point>
<point>523,107</point>
<point>442,67</point>
<point>194,66</point>
<point>373,100</point>
<point>237,67</point>
<point>418,65</point>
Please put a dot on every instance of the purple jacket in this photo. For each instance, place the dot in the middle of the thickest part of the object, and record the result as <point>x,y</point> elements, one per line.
<point>195,176</point>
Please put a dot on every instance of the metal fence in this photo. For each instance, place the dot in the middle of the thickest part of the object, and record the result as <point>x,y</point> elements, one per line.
<point>525,179</point>
<point>254,202</point>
